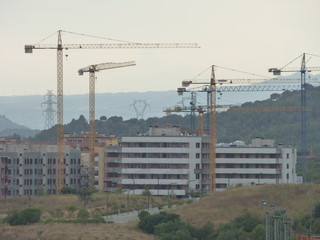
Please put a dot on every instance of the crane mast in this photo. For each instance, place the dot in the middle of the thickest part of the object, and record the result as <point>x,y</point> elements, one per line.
<point>92,69</point>
<point>212,155</point>
<point>59,113</point>
<point>303,99</point>
<point>59,47</point>
<point>214,87</point>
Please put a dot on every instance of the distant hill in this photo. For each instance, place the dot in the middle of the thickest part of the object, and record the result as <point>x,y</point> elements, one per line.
<point>6,123</point>
<point>9,128</point>
<point>283,126</point>
<point>27,110</point>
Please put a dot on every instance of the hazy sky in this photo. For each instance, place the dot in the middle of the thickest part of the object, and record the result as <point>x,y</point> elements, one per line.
<point>249,35</point>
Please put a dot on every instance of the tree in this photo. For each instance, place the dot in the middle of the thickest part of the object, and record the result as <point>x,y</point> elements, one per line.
<point>68,190</point>
<point>71,209</point>
<point>148,222</point>
<point>83,214</point>
<point>170,227</point>
<point>207,232</point>
<point>258,232</point>
<point>316,210</point>
<point>84,195</point>
<point>146,192</point>
<point>247,221</point>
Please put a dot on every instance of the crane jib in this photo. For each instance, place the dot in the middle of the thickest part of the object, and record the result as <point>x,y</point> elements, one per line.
<point>29,48</point>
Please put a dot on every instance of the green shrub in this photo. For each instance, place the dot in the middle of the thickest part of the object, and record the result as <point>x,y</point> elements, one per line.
<point>24,217</point>
<point>316,210</point>
<point>68,190</point>
<point>148,222</point>
<point>83,214</point>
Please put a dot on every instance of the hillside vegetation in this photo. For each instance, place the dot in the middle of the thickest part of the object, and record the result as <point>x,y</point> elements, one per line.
<point>218,208</point>
<point>297,199</point>
<point>284,127</point>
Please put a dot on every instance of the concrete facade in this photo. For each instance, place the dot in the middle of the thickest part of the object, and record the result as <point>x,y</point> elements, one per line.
<point>175,161</point>
<point>26,169</point>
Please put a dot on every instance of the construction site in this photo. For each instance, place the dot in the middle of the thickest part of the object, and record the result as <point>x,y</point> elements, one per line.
<point>166,160</point>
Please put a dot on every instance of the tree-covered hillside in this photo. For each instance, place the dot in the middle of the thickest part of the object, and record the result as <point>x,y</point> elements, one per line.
<point>283,126</point>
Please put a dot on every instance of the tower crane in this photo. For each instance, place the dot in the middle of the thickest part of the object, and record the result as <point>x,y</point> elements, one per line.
<point>92,69</point>
<point>302,70</point>
<point>212,91</point>
<point>59,47</point>
<point>230,85</point>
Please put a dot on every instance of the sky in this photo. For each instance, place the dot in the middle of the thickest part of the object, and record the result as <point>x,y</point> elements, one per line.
<point>247,35</point>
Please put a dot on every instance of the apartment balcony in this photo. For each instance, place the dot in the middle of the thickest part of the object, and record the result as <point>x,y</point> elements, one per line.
<point>153,181</point>
<point>156,160</point>
<point>154,171</point>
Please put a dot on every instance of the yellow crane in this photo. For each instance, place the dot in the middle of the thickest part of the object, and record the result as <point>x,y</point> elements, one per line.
<point>213,107</point>
<point>92,69</point>
<point>213,110</point>
<point>59,47</point>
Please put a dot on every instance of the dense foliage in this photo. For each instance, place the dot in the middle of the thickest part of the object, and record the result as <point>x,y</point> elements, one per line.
<point>169,226</point>
<point>246,226</point>
<point>24,217</point>
<point>283,126</point>
<point>309,223</point>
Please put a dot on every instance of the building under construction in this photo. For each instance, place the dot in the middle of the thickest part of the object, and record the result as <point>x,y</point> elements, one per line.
<point>27,169</point>
<point>174,160</point>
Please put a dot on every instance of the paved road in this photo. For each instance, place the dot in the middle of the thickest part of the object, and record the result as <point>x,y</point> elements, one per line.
<point>127,216</point>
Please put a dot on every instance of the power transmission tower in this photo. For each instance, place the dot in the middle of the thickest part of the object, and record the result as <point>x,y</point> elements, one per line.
<point>139,107</point>
<point>49,111</point>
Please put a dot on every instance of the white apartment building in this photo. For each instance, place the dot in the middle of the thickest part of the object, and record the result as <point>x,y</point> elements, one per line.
<point>172,160</point>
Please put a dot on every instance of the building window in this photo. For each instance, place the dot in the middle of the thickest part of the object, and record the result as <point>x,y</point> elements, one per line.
<point>197,176</point>
<point>197,155</point>
<point>197,145</point>
<point>287,166</point>
<point>287,155</point>
<point>197,166</point>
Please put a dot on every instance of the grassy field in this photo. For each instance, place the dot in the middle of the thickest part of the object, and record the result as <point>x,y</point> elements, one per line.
<point>124,231</point>
<point>298,200</point>
<point>218,208</point>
